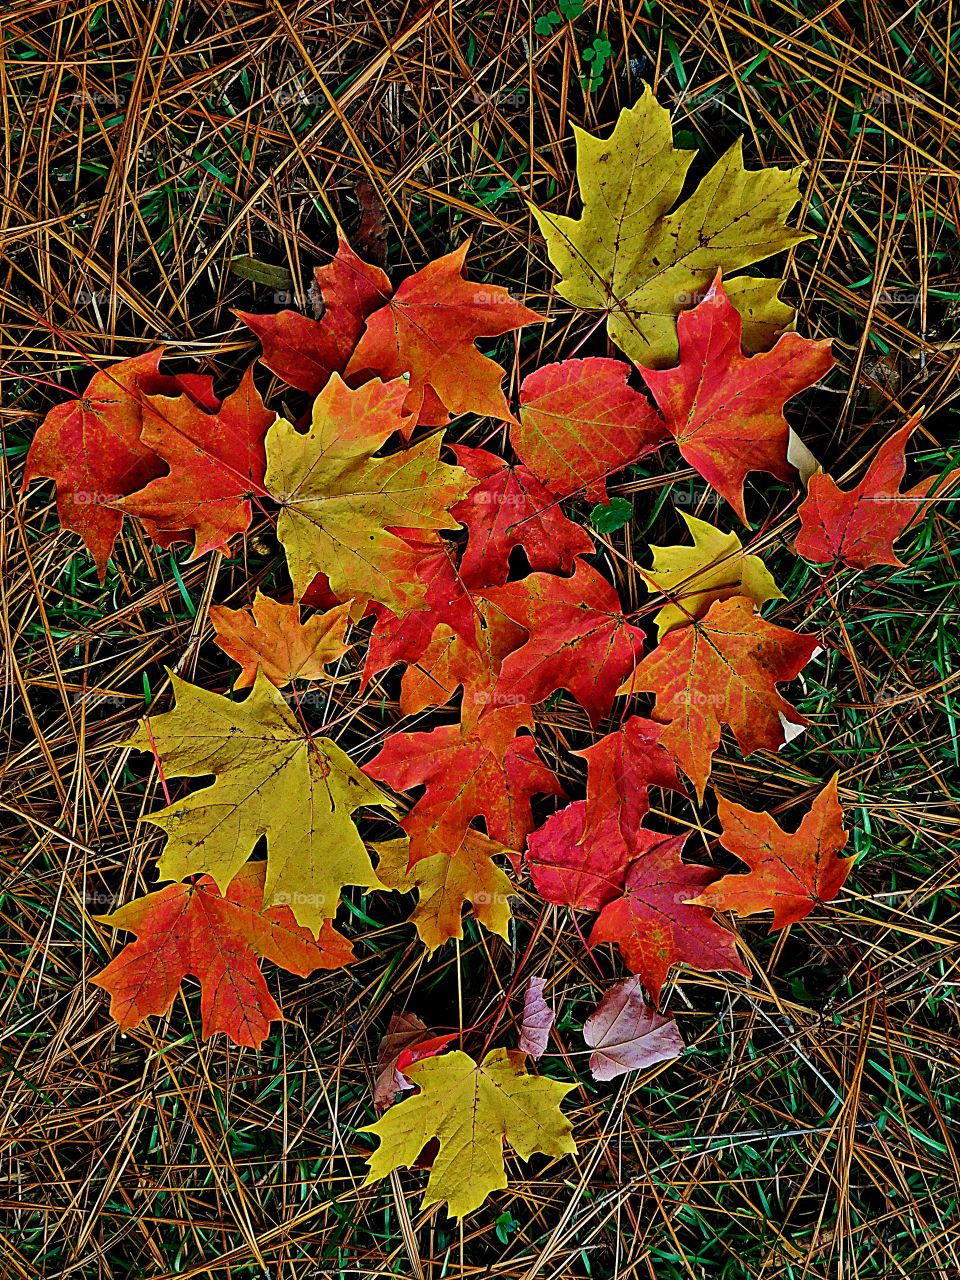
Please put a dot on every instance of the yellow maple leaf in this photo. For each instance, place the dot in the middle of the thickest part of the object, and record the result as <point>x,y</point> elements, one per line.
<point>630,256</point>
<point>339,501</point>
<point>714,568</point>
<point>273,779</point>
<point>445,883</point>
<point>470,1109</point>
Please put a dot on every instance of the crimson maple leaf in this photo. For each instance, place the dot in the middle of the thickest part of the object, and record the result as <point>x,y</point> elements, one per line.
<point>92,447</point>
<point>578,640</point>
<point>304,352</point>
<point>859,526</point>
<point>580,421</point>
<point>191,929</point>
<point>574,867</point>
<point>722,669</point>
<point>654,924</point>
<point>486,772</point>
<point>724,408</point>
<point>510,508</point>
<point>620,769</point>
<point>216,462</point>
<point>427,331</point>
<point>789,873</point>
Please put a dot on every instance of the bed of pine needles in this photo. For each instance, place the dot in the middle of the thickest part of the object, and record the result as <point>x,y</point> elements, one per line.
<point>165,162</point>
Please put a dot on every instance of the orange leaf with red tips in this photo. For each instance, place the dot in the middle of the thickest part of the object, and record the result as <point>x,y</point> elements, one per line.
<point>859,526</point>
<point>789,874</point>
<point>724,408</point>
<point>510,508</point>
<point>191,929</point>
<point>579,639</point>
<point>271,636</point>
<point>428,329</point>
<point>304,352</point>
<point>722,670</point>
<point>654,924</point>
<point>406,637</point>
<point>486,773</point>
<point>92,447</point>
<point>216,462</point>
<point>620,769</point>
<point>579,422</point>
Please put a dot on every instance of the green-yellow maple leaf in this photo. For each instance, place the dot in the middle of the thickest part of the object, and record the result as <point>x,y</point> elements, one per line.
<point>629,256</point>
<point>339,501</point>
<point>445,883</point>
<point>272,779</point>
<point>714,568</point>
<point>470,1109</point>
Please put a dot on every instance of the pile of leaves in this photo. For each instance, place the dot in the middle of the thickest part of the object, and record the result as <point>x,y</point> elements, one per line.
<point>461,566</point>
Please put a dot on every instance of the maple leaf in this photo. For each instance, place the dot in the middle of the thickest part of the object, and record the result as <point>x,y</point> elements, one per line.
<point>537,1020</point>
<point>193,929</point>
<point>629,256</point>
<point>427,331</point>
<point>215,460</point>
<point>445,882</point>
<point>272,637</point>
<point>580,421</point>
<point>272,779</point>
<point>304,352</point>
<point>714,568</point>
<point>340,502</point>
<point>449,661</point>
<point>510,508</point>
<point>725,409</point>
<point>578,640</point>
<point>470,1109</point>
<point>625,1034</point>
<point>485,772</point>
<point>91,446</point>
<point>621,767</point>
<point>406,637</point>
<point>723,669</point>
<point>574,866</point>
<point>859,526</point>
<point>654,924</point>
<point>789,873</point>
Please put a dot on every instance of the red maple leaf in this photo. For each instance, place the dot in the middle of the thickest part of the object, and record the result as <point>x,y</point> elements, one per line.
<point>510,508</point>
<point>427,331</point>
<point>578,640</point>
<point>216,462</point>
<point>304,352</point>
<point>859,526</point>
<point>573,867</point>
<point>620,769</point>
<point>580,421</point>
<point>654,924</point>
<point>789,874</point>
<point>486,773</point>
<point>91,446</point>
<point>191,929</point>
<point>722,670</point>
<point>724,408</point>
<point>405,638</point>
